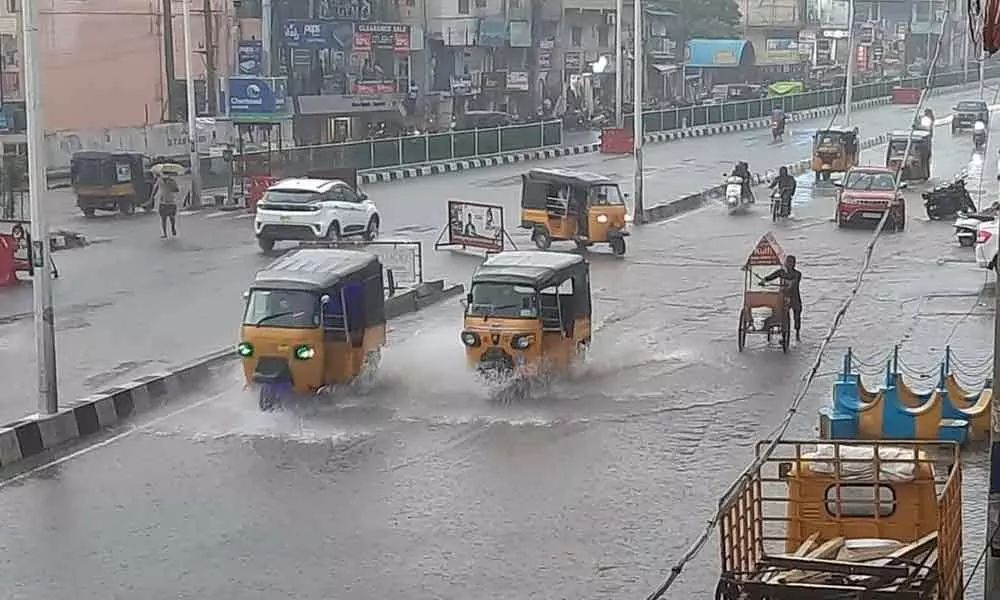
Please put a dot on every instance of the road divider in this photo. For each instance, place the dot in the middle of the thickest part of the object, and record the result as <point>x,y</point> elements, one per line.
<point>36,434</point>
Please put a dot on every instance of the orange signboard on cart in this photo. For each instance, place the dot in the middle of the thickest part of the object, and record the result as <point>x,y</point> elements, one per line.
<point>767,253</point>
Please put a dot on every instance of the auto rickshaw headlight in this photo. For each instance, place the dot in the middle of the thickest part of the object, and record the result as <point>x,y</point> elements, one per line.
<point>304,352</point>
<point>521,342</point>
<point>602,218</point>
<point>470,338</point>
<point>244,349</point>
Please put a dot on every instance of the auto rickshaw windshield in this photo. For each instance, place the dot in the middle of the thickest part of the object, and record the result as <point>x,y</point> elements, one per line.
<point>503,300</point>
<point>898,147</point>
<point>292,309</point>
<point>605,195</point>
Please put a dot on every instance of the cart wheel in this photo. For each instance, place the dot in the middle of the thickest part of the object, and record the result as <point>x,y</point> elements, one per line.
<point>741,338</point>
<point>541,238</point>
<point>617,246</point>
<point>816,173</point>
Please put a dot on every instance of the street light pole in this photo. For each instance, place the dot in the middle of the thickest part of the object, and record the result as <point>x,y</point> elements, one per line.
<point>265,35</point>
<point>637,73</point>
<point>982,73</point>
<point>45,332</point>
<point>192,111</point>
<point>852,60</point>
<point>619,66</point>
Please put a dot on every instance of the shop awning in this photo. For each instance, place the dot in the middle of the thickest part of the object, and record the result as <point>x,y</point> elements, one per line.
<point>706,53</point>
<point>664,68</point>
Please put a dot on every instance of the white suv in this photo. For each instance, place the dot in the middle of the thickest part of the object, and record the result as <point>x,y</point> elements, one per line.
<point>987,238</point>
<point>314,209</point>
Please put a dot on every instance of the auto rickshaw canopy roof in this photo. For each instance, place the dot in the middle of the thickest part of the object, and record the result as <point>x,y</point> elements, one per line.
<point>767,253</point>
<point>102,155</point>
<point>314,269</point>
<point>837,131</point>
<point>569,177</point>
<point>528,267</point>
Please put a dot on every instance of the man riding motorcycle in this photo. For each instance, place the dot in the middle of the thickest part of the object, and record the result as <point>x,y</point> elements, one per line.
<point>778,122</point>
<point>979,135</point>
<point>786,185</point>
<point>742,170</point>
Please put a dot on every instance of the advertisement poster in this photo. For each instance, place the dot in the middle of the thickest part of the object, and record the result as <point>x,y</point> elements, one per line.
<point>250,57</point>
<point>256,95</point>
<point>374,88</point>
<point>517,81</point>
<point>381,36</point>
<point>782,51</point>
<point>475,225</point>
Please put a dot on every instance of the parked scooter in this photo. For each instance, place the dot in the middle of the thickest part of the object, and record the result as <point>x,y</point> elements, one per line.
<point>979,136</point>
<point>948,200</point>
<point>967,224</point>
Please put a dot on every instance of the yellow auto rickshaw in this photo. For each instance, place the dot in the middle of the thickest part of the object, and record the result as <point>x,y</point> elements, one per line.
<point>114,181</point>
<point>558,204</point>
<point>918,160</point>
<point>314,318</point>
<point>835,150</point>
<point>527,314</point>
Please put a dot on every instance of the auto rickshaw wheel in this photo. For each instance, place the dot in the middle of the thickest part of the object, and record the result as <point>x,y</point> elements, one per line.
<point>126,207</point>
<point>541,238</point>
<point>617,246</point>
<point>266,399</point>
<point>741,338</point>
<point>89,212</point>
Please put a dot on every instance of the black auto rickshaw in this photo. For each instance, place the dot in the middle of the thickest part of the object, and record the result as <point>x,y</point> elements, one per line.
<point>917,165</point>
<point>967,113</point>
<point>835,150</point>
<point>559,204</point>
<point>114,181</point>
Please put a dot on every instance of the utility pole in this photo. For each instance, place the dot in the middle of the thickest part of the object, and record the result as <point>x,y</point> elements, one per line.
<point>211,76</point>
<point>852,59</point>
<point>619,65</point>
<point>637,62</point>
<point>229,54</point>
<point>982,75</point>
<point>265,35</point>
<point>168,59</point>
<point>192,111</point>
<point>992,579</point>
<point>41,280</point>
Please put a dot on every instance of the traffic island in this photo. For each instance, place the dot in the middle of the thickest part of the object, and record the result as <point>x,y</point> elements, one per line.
<point>110,408</point>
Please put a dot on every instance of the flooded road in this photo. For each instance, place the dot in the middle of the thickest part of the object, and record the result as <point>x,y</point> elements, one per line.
<point>420,487</point>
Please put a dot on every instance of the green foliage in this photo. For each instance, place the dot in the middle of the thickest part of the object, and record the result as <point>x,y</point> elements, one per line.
<point>717,19</point>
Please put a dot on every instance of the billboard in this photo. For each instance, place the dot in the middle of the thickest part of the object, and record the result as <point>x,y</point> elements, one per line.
<point>475,225</point>
<point>381,36</point>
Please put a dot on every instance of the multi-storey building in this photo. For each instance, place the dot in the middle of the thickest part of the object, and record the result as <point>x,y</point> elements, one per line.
<point>772,27</point>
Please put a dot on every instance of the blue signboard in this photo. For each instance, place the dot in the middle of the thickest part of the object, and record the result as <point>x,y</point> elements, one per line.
<point>250,57</point>
<point>299,33</point>
<point>256,95</point>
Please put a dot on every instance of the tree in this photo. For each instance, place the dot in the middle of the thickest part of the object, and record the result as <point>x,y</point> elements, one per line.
<point>717,19</point>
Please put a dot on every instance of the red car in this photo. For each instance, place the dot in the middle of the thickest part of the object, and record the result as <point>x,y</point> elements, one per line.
<point>866,193</point>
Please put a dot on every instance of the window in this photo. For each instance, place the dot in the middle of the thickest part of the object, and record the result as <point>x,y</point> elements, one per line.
<point>576,35</point>
<point>515,4</point>
<point>463,7</point>
<point>602,36</point>
<point>481,3</point>
<point>282,308</point>
<point>503,300</point>
<point>860,500</point>
<point>346,194</point>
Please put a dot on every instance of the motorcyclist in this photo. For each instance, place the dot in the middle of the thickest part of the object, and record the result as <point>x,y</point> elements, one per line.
<point>742,170</point>
<point>778,120</point>
<point>786,185</point>
<point>979,134</point>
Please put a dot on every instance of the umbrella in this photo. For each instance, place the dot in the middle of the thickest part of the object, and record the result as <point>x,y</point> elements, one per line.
<point>168,170</point>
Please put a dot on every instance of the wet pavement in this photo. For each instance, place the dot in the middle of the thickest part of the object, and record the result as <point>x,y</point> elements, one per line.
<point>131,304</point>
<point>418,486</point>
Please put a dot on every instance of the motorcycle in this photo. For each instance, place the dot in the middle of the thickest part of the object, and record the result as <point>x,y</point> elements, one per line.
<point>967,224</point>
<point>781,206</point>
<point>948,200</point>
<point>979,136</point>
<point>735,200</point>
<point>777,130</point>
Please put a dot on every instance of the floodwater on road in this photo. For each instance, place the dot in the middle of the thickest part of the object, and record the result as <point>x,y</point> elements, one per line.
<point>420,486</point>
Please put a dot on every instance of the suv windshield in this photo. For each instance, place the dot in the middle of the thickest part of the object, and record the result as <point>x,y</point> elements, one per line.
<point>503,300</point>
<point>870,181</point>
<point>289,196</point>
<point>970,106</point>
<point>282,308</point>
<point>605,195</point>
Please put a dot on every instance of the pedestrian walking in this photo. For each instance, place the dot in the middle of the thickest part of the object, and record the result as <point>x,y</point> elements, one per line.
<point>166,193</point>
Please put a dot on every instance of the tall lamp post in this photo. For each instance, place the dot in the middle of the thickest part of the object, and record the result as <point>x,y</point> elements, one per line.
<point>45,333</point>
<point>619,66</point>
<point>192,110</point>
<point>637,77</point>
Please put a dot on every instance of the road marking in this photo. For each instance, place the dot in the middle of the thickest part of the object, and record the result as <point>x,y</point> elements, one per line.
<point>104,443</point>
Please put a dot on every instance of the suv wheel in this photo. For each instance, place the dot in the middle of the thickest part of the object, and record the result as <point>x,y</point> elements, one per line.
<point>333,233</point>
<point>266,244</point>
<point>371,232</point>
